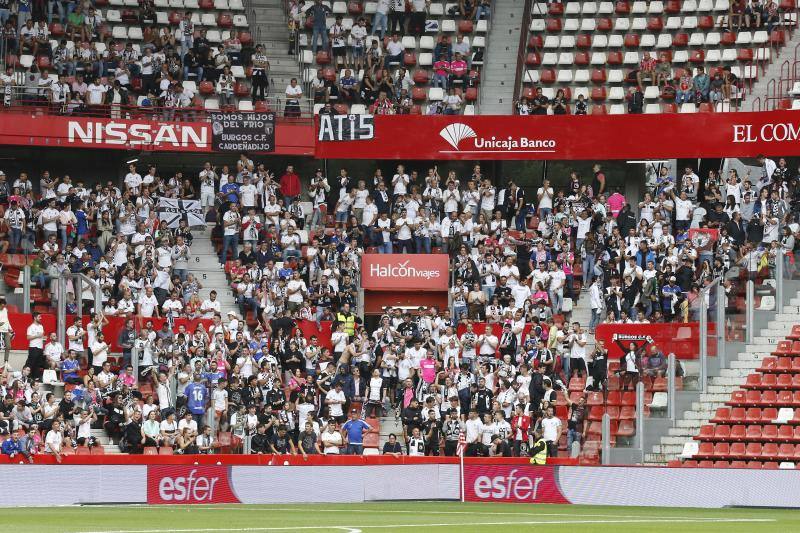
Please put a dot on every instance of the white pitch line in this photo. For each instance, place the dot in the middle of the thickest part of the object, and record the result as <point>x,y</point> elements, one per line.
<point>353,529</point>
<point>480,513</point>
<point>266,507</point>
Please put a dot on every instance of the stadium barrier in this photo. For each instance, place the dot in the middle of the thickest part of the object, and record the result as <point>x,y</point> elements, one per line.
<point>505,480</point>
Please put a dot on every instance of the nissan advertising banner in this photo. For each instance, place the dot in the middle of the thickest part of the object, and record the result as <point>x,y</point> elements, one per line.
<point>570,137</point>
<point>148,132</point>
<point>405,272</point>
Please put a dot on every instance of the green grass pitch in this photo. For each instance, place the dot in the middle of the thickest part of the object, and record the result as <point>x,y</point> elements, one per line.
<point>394,516</point>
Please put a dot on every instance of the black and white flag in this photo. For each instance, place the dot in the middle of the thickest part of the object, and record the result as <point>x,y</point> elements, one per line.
<point>173,211</point>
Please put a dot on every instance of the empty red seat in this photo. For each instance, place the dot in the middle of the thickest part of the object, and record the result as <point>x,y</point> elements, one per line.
<point>795,364</point>
<point>769,433</point>
<point>705,22</point>
<point>680,40</point>
<point>553,25</point>
<point>752,397</point>
<point>418,94</point>
<point>614,58</point>
<point>43,61</point>
<point>583,41</point>
<point>738,464</point>
<point>737,398</point>
<point>795,349</point>
<point>783,348</point>
<point>768,397</point>
<point>627,412</point>
<point>245,37</point>
<point>660,385</point>
<point>596,413</point>
<point>794,335</point>
<point>604,24</point>
<point>355,8</point>
<point>598,75</point>
<point>535,42</point>
<point>622,8</point>
<point>738,432</point>
<point>795,381</point>
<point>784,399</point>
<point>206,5</point>
<point>721,432</point>
<point>471,94</point>
<point>785,451</point>
<point>785,433</point>
<point>598,94</point>
<point>753,415</point>
<point>705,464</point>
<point>777,38</point>
<point>753,450</point>
<point>224,20</point>
<point>632,40</point>
<point>614,398</point>
<point>753,433</point>
<point>782,381</point>
<point>409,59</point>
<point>547,75</point>
<point>689,463</point>
<point>770,381</point>
<point>655,24</point>
<point>421,77</point>
<point>768,414</point>
<point>698,56</point>
<point>613,411</point>
<point>753,381</point>
<point>721,464</point>
<point>722,415</point>
<point>736,450</point>
<point>465,26</point>
<point>706,432</point>
<point>556,9</point>
<point>769,364</point>
<point>595,398</point>
<point>533,59</point>
<point>577,384</point>
<point>323,57</point>
<point>744,54</point>
<point>581,58</point>
<point>723,449</point>
<point>672,7</point>
<point>150,450</point>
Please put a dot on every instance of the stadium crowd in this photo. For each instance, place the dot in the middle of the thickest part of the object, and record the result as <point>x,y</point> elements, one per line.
<point>497,365</point>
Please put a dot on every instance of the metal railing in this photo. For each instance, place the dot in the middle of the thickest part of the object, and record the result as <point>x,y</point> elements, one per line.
<point>26,102</point>
<point>522,51</point>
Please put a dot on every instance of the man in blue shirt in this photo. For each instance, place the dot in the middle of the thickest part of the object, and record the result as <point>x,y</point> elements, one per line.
<point>196,399</point>
<point>69,368</point>
<point>231,192</point>
<point>354,430</point>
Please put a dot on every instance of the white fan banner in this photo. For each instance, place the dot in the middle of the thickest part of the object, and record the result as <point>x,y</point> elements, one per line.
<point>173,211</point>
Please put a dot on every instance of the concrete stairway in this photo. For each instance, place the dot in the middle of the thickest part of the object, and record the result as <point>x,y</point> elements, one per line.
<point>500,62</point>
<point>269,27</point>
<point>206,268</point>
<point>390,424</point>
<point>731,378</point>
<point>582,312</point>
<point>760,92</point>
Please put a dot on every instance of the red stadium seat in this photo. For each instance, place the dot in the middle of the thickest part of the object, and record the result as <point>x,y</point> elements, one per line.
<point>622,7</point>
<point>655,24</point>
<point>604,24</point>
<point>706,432</point>
<point>784,347</point>
<point>680,40</point>
<point>738,432</point>
<point>794,335</point>
<point>583,41</point>
<point>722,415</point>
<point>535,42</point>
<point>553,25</point>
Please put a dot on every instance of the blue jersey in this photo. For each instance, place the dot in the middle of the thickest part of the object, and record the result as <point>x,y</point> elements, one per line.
<point>196,395</point>
<point>69,368</point>
<point>354,429</point>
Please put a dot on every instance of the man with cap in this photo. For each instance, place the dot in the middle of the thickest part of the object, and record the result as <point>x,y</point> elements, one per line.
<point>538,451</point>
<point>353,432</point>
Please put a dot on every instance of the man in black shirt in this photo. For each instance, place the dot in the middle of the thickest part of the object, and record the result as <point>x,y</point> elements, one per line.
<point>408,329</point>
<point>260,442</point>
<point>431,430</point>
<point>133,434</point>
<point>499,447</point>
<point>281,443</point>
<point>483,398</point>
<point>412,417</point>
<point>503,292</point>
<point>540,103</point>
